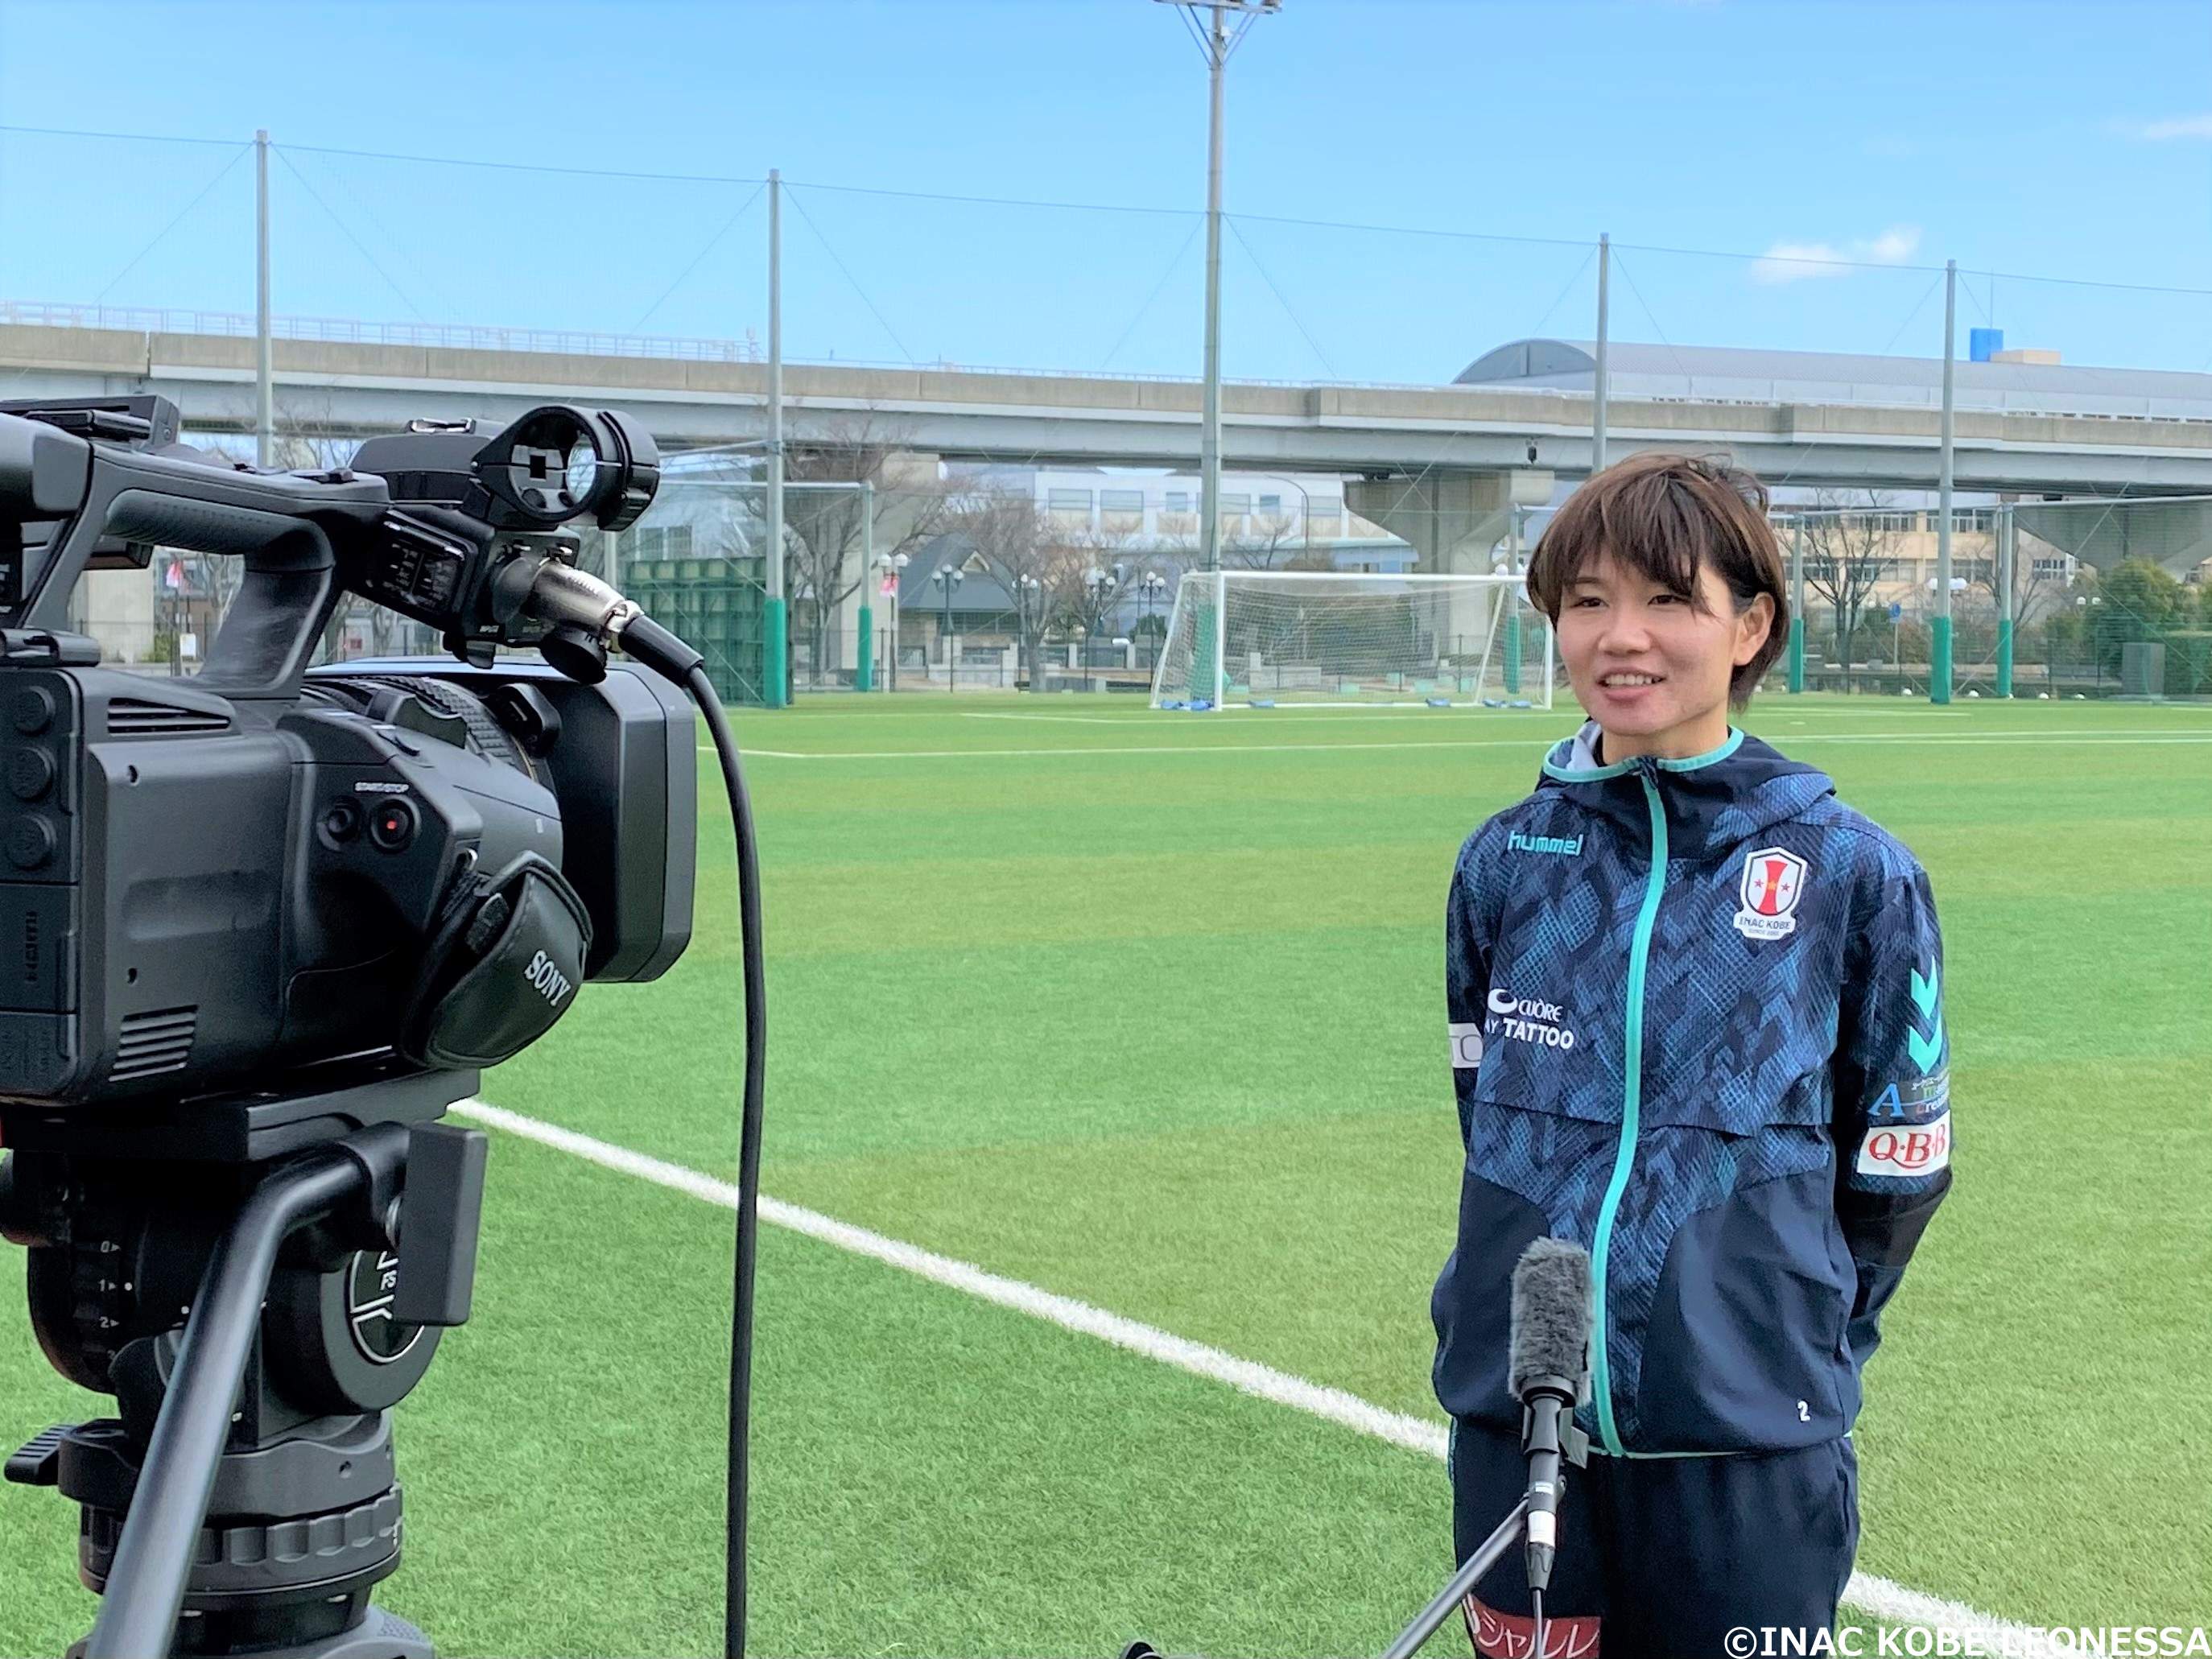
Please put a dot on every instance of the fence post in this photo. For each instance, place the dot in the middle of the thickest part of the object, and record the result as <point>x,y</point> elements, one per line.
<point>2008,553</point>
<point>1797,604</point>
<point>864,634</point>
<point>1220,633</point>
<point>1939,668</point>
<point>1513,603</point>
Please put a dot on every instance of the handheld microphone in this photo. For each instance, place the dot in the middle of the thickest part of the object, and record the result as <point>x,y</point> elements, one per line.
<point>1548,1370</point>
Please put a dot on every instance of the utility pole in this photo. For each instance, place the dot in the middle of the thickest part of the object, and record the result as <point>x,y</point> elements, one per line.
<point>774,623</point>
<point>1939,672</point>
<point>1597,400</point>
<point>1218,41</point>
<point>264,398</point>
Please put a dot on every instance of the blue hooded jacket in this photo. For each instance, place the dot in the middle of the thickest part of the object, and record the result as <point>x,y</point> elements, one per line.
<point>1697,1028</point>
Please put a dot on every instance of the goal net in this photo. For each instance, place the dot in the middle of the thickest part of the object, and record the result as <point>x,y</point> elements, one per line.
<point>1262,636</point>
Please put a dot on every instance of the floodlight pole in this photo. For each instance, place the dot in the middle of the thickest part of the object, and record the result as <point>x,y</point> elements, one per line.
<point>1939,673</point>
<point>264,398</point>
<point>774,623</point>
<point>1209,452</point>
<point>1218,43</point>
<point>1598,396</point>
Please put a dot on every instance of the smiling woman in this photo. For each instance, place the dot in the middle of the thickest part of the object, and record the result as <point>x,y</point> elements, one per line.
<point>1701,1038</point>
<point>1666,585</point>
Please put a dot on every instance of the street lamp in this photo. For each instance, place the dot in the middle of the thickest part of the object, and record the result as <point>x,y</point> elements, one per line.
<point>1152,584</point>
<point>948,577</point>
<point>1026,588</point>
<point>1101,585</point>
<point>892,567</point>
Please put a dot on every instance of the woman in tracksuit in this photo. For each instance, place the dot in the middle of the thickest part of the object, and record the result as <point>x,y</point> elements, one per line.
<point>1697,1028</point>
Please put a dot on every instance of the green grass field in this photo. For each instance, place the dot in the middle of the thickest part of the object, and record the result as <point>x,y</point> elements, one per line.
<point>1146,1010</point>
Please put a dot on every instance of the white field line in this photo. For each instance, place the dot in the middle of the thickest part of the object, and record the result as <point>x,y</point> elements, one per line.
<point>1354,713</point>
<point>1881,1597</point>
<point>1060,719</point>
<point>2129,736</point>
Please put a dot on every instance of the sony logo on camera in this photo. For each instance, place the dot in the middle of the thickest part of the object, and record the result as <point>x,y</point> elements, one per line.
<point>547,980</point>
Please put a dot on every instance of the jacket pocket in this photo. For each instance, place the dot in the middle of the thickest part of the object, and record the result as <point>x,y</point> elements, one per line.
<point>1745,1348</point>
<point>1472,1304</point>
<point>1529,1175</point>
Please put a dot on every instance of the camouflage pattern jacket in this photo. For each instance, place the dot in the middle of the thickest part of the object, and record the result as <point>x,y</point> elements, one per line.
<point>1697,1027</point>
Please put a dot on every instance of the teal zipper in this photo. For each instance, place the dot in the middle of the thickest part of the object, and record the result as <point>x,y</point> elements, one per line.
<point>1631,1102</point>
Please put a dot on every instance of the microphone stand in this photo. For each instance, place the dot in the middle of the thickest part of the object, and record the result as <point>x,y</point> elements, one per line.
<point>1464,1581</point>
<point>1549,1439</point>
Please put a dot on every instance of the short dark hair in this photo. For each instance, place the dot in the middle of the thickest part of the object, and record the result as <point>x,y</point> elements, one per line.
<point>1669,516</point>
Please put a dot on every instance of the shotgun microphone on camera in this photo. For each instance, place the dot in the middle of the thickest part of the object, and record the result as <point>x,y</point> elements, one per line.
<point>1548,1368</point>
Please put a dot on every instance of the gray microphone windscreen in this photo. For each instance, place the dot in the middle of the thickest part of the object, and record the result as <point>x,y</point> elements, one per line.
<point>1551,1328</point>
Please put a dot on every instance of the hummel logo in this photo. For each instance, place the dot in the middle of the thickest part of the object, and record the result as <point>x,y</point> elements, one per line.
<point>1517,842</point>
<point>1928,1049</point>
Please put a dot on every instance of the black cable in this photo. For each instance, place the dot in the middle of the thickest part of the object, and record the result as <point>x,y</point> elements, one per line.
<point>1538,1637</point>
<point>756,1024</point>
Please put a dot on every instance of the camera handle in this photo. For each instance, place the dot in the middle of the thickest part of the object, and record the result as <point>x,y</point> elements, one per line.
<point>1463,1581</point>
<point>268,636</point>
<point>365,1173</point>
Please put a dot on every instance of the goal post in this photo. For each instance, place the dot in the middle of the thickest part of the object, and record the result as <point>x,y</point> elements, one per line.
<point>1241,637</point>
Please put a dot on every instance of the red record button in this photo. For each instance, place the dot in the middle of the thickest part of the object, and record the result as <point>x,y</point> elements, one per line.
<point>391,824</point>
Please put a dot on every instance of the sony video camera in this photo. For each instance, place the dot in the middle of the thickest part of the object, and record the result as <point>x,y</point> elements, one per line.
<point>261,928</point>
<point>211,881</point>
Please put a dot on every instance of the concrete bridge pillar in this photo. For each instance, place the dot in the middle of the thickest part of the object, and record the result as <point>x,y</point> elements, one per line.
<point>1453,518</point>
<point>2176,535</point>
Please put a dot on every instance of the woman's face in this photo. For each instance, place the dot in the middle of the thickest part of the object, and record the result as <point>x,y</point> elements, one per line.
<point>1649,668</point>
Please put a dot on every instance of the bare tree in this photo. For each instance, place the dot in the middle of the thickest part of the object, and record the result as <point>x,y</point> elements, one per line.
<point>1092,573</point>
<point>1016,543</point>
<point>824,530</point>
<point>1268,545</point>
<point>2032,593</point>
<point>1846,549</point>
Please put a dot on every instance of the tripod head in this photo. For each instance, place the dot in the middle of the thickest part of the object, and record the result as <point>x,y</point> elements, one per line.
<point>244,1498</point>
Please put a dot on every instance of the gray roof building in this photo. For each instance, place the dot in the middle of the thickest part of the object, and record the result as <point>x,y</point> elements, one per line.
<point>1742,374</point>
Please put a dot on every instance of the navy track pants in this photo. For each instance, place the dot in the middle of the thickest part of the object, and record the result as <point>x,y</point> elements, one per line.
<point>1660,1557</point>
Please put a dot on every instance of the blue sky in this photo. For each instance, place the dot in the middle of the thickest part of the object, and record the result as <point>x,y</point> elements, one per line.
<point>2070,141</point>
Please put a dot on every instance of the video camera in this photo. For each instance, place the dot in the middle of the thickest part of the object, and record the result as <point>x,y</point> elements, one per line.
<point>263,927</point>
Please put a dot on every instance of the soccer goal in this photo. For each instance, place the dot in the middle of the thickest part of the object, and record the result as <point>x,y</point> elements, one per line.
<point>1295,636</point>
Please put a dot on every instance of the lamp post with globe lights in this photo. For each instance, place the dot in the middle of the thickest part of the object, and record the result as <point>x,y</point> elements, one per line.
<point>948,577</point>
<point>890,568</point>
<point>1151,583</point>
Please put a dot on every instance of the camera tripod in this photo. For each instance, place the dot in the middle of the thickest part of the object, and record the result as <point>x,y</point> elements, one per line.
<point>256,1280</point>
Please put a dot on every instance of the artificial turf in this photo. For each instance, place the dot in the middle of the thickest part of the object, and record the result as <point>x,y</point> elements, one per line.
<point>1162,1030</point>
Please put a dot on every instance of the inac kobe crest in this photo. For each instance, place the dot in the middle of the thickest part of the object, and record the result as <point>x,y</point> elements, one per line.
<point>1773,881</point>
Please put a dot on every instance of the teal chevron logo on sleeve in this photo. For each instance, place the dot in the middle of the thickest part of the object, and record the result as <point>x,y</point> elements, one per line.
<point>1927,1049</point>
<point>1924,991</point>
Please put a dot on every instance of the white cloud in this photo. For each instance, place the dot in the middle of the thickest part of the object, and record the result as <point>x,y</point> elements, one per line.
<point>2184,127</point>
<point>1794,262</point>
